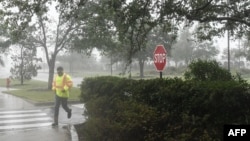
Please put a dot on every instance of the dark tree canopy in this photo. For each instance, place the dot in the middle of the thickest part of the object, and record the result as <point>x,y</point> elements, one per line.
<point>125,25</point>
<point>217,15</point>
<point>232,14</point>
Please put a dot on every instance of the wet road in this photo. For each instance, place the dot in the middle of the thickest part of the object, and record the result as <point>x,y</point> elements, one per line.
<point>8,102</point>
<point>22,121</point>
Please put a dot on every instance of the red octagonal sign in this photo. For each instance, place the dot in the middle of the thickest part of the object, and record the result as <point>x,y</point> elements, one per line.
<point>160,55</point>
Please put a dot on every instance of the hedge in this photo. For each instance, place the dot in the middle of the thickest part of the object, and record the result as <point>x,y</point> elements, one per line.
<point>161,109</point>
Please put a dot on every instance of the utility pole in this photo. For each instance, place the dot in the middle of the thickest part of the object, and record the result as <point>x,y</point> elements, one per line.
<point>228,40</point>
<point>228,49</point>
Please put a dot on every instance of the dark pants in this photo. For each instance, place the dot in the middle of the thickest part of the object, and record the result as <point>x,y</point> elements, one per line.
<point>58,102</point>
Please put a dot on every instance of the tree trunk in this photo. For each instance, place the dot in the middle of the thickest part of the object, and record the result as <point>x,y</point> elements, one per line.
<point>141,64</point>
<point>51,72</point>
<point>111,65</point>
<point>21,69</point>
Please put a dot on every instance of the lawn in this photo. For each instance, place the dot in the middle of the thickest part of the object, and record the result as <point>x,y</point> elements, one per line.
<point>36,91</point>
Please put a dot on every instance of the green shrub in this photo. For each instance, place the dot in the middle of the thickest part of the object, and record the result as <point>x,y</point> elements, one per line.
<point>112,114</point>
<point>207,70</point>
<point>162,109</point>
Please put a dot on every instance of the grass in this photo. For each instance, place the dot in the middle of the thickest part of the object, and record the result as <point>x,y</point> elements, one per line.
<point>36,91</point>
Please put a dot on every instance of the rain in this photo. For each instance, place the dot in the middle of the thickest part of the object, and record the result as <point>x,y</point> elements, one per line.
<point>119,41</point>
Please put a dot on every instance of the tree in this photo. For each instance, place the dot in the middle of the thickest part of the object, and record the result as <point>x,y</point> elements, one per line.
<point>236,54</point>
<point>207,71</point>
<point>157,36</point>
<point>99,32</point>
<point>130,19</point>
<point>183,49</point>
<point>52,31</point>
<point>205,50</point>
<point>128,22</point>
<point>217,16</point>
<point>244,51</point>
<point>75,60</point>
<point>5,41</point>
<point>25,64</point>
<point>116,55</point>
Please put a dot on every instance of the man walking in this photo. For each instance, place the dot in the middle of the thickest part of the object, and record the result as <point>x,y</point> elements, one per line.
<point>61,85</point>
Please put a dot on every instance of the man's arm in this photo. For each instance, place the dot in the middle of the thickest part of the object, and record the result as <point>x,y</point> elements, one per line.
<point>68,82</point>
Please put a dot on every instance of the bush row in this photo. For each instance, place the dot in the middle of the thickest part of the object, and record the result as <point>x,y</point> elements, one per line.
<point>161,109</point>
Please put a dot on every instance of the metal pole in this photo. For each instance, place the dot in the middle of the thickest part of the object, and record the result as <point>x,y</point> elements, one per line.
<point>160,74</point>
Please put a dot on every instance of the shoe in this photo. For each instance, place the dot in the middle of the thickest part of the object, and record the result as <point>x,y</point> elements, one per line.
<point>54,124</point>
<point>69,113</point>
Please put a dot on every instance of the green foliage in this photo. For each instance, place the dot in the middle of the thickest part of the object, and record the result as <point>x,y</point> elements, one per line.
<point>119,26</point>
<point>108,111</point>
<point>207,71</point>
<point>25,64</point>
<point>161,109</point>
<point>183,48</point>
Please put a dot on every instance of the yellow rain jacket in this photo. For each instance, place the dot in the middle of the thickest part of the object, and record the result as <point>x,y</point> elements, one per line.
<point>61,83</point>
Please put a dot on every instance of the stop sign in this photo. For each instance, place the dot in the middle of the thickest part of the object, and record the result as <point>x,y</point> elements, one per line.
<point>160,55</point>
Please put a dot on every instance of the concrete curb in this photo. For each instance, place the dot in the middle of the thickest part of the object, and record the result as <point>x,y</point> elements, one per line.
<point>73,133</point>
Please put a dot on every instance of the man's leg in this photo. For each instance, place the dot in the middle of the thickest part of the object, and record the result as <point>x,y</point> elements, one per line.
<point>65,106</point>
<point>56,110</point>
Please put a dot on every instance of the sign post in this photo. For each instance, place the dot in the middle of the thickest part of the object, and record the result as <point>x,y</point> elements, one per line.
<point>160,58</point>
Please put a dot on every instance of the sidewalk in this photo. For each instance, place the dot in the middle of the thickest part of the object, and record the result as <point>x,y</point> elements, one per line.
<point>40,134</point>
<point>64,132</point>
